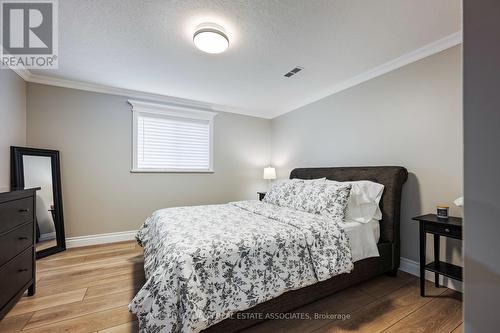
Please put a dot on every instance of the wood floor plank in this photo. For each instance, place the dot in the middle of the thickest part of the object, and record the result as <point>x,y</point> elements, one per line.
<point>132,327</point>
<point>383,285</point>
<point>87,250</point>
<point>130,284</point>
<point>125,253</point>
<point>88,323</point>
<point>77,309</point>
<point>385,311</point>
<point>441,315</point>
<point>43,265</point>
<point>46,287</point>
<point>459,329</point>
<point>109,257</point>
<point>35,303</point>
<point>86,277</point>
<point>15,323</point>
<point>50,290</point>
<point>93,269</point>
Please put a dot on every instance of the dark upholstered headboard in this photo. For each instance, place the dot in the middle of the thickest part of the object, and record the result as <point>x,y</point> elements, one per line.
<point>392,177</point>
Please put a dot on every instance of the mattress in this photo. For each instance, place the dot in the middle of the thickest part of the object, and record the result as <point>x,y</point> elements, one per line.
<point>363,238</point>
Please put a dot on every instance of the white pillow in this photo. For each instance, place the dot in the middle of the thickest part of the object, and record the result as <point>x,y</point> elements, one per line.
<point>364,200</point>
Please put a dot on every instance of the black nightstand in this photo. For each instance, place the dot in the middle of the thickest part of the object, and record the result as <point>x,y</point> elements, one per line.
<point>452,227</point>
<point>261,195</point>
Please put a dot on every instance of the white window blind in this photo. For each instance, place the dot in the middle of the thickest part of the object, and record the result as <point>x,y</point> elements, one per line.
<point>172,140</point>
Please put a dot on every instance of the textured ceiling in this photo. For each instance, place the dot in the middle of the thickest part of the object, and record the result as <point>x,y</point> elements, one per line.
<point>147,45</point>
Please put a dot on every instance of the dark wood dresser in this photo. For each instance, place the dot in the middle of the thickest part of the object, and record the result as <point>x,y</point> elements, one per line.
<point>17,246</point>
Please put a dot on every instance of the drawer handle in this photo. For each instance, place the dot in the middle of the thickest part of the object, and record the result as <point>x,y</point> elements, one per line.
<point>24,210</point>
<point>22,270</point>
<point>447,230</point>
<point>23,238</point>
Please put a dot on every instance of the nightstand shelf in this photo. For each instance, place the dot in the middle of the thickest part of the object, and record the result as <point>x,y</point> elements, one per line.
<point>446,269</point>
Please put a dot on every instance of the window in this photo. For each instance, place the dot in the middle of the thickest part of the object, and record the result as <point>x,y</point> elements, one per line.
<point>171,139</point>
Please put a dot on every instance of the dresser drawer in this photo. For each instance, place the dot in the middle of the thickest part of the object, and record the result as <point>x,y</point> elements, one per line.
<point>15,274</point>
<point>16,212</point>
<point>449,231</point>
<point>15,241</point>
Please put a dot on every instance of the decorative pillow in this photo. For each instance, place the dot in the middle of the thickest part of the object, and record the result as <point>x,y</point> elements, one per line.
<point>321,198</point>
<point>309,197</point>
<point>316,196</point>
<point>338,195</point>
<point>281,192</point>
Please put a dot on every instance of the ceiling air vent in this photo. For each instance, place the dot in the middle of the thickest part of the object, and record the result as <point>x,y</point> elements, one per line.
<point>293,71</point>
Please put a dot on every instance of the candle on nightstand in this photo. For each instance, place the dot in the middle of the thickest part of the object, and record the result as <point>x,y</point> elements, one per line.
<point>442,212</point>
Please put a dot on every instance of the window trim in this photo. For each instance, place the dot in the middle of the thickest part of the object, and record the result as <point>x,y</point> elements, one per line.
<point>140,107</point>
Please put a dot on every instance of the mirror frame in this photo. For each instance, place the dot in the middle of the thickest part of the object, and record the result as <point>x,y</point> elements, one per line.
<point>17,182</point>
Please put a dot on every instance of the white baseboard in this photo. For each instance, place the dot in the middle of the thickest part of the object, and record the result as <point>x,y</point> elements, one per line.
<point>112,237</point>
<point>412,267</point>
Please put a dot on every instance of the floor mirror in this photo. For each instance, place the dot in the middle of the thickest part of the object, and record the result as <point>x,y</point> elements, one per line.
<point>32,167</point>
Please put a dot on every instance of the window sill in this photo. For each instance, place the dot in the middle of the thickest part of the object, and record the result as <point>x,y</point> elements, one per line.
<point>171,171</point>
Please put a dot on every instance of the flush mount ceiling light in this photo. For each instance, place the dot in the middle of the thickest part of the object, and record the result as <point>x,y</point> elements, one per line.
<point>210,38</point>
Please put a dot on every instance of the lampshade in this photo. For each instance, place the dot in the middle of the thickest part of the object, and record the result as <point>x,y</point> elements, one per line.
<point>269,173</point>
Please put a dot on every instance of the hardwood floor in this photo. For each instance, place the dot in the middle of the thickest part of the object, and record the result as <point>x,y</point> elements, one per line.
<point>88,290</point>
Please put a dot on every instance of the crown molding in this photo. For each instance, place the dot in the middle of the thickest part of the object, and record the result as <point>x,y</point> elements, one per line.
<point>406,59</point>
<point>134,94</point>
<point>23,73</point>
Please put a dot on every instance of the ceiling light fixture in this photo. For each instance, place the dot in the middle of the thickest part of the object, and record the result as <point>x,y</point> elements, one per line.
<point>210,38</point>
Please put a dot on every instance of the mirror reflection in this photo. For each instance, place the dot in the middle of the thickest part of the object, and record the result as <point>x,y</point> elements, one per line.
<point>38,173</point>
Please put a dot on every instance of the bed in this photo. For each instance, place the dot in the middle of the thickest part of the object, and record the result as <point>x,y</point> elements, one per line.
<point>249,258</point>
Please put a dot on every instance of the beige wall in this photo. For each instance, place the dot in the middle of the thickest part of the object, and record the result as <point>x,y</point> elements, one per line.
<point>410,117</point>
<point>94,134</point>
<point>12,120</point>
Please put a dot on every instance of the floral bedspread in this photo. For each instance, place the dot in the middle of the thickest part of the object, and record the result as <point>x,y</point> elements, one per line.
<point>204,263</point>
